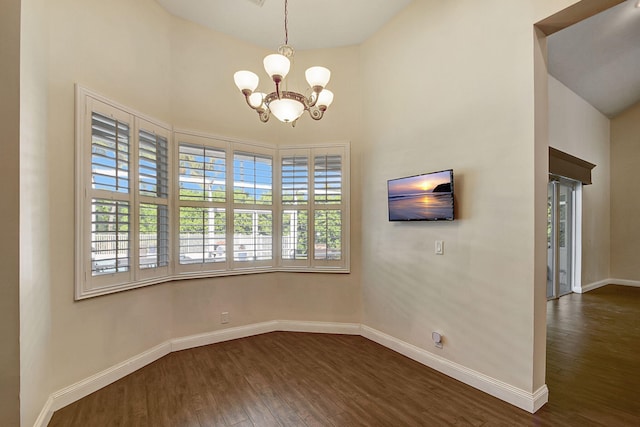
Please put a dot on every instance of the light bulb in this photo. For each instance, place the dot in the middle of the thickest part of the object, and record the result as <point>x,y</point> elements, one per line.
<point>277,66</point>
<point>286,110</point>
<point>325,98</point>
<point>317,77</point>
<point>256,99</point>
<point>246,81</point>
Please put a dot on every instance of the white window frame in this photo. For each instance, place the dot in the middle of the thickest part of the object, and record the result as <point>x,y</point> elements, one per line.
<point>88,285</point>
<point>258,151</point>
<point>152,274</point>
<point>311,152</point>
<point>198,269</point>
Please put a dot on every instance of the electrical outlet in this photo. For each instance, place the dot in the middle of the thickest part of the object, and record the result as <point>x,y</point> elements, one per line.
<point>224,317</point>
<point>439,247</point>
<point>437,339</point>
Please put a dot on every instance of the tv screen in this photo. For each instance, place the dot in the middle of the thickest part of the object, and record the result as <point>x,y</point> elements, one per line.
<point>426,197</point>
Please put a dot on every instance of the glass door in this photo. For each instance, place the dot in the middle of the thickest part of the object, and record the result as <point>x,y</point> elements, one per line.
<point>560,236</point>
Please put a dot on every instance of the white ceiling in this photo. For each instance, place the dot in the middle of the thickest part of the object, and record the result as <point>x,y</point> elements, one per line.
<point>599,58</point>
<point>312,23</point>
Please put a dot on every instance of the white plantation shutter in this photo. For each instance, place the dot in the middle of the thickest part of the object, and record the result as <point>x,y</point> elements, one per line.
<point>327,218</point>
<point>252,179</point>
<point>154,205</point>
<point>202,204</point>
<point>154,236</point>
<point>327,177</point>
<point>109,153</point>
<point>202,235</point>
<point>202,173</point>
<point>110,225</point>
<point>153,200</point>
<point>110,236</point>
<point>153,164</point>
<point>313,223</point>
<point>294,185</point>
<point>123,187</point>
<point>295,179</point>
<point>252,213</point>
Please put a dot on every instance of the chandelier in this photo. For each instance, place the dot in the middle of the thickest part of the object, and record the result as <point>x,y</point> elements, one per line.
<point>286,105</point>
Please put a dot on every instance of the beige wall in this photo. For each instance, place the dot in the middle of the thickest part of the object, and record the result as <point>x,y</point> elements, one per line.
<point>120,49</point>
<point>179,73</point>
<point>35,225</point>
<point>577,128</point>
<point>204,98</point>
<point>445,84</point>
<point>453,87</point>
<point>9,213</point>
<point>625,203</point>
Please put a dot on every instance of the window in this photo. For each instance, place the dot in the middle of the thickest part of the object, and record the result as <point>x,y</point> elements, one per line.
<point>294,172</point>
<point>202,204</point>
<point>152,202</point>
<point>155,205</point>
<point>110,200</point>
<point>252,209</point>
<point>313,232</point>
<point>122,162</point>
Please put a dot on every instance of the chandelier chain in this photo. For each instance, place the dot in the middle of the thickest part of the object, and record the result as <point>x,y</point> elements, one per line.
<point>286,22</point>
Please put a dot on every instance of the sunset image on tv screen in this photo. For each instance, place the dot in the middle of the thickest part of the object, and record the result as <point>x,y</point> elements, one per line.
<point>421,197</point>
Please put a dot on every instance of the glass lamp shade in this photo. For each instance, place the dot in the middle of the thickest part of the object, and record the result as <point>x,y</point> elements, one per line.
<point>255,99</point>
<point>246,80</point>
<point>317,76</point>
<point>286,110</point>
<point>325,98</point>
<point>277,65</point>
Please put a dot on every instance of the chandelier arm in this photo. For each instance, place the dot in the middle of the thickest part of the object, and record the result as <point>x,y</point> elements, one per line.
<point>246,98</point>
<point>310,102</point>
<point>316,114</point>
<point>264,115</point>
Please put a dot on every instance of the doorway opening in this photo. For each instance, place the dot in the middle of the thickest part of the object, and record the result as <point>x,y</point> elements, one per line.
<point>563,231</point>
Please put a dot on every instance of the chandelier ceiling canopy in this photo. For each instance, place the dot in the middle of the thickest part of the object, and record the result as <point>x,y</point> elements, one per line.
<point>287,106</point>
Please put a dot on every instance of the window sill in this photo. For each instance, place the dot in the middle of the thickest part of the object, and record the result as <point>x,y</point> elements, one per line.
<point>107,290</point>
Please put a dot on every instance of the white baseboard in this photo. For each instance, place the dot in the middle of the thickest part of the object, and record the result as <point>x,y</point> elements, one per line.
<point>85,387</point>
<point>263,328</point>
<point>320,327</point>
<point>592,286</point>
<point>605,282</point>
<point>517,397</point>
<point>198,340</point>
<point>634,283</point>
<point>513,395</point>
<point>45,415</point>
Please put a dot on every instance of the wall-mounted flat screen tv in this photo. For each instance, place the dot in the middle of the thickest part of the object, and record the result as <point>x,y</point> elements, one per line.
<point>426,197</point>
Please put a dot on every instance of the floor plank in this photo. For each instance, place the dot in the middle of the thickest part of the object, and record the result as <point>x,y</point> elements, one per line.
<point>306,380</point>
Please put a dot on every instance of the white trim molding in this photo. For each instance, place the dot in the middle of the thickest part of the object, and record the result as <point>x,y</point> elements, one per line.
<point>625,282</point>
<point>528,401</point>
<point>605,282</point>
<point>591,286</point>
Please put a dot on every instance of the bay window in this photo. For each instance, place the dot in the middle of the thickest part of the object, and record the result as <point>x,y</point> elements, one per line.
<point>153,204</point>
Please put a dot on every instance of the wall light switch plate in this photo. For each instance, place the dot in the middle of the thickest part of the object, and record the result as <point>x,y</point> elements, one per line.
<point>439,247</point>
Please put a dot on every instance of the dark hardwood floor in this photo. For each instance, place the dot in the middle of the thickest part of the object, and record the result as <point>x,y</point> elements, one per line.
<point>300,379</point>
